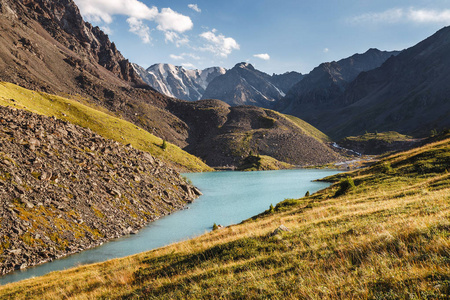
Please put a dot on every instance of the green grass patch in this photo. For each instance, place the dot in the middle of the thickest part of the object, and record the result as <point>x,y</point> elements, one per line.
<point>388,136</point>
<point>262,162</point>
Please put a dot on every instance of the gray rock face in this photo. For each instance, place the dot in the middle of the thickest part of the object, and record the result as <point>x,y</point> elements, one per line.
<point>244,85</point>
<point>64,189</point>
<point>178,82</point>
<point>56,16</point>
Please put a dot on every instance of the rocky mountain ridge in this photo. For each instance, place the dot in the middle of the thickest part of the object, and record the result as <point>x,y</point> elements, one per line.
<point>245,85</point>
<point>64,189</point>
<point>178,82</point>
<point>45,46</point>
<point>241,85</point>
<point>412,85</point>
<point>408,93</point>
<point>318,90</point>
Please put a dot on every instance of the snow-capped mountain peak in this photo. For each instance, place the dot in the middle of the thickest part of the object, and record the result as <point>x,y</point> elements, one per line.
<point>178,82</point>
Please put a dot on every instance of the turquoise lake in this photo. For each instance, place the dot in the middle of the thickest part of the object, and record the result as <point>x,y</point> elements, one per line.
<point>228,198</point>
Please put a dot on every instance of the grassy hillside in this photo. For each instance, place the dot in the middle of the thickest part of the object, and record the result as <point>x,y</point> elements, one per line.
<point>380,142</point>
<point>308,128</point>
<point>378,233</point>
<point>263,163</point>
<point>224,135</point>
<point>388,136</point>
<point>98,120</point>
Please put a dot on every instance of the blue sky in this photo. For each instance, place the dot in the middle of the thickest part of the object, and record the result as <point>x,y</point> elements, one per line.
<point>274,35</point>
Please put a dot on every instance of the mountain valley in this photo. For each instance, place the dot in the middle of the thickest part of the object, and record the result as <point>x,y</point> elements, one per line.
<point>92,147</point>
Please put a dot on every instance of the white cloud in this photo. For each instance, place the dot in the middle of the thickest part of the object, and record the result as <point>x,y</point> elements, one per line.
<point>184,56</point>
<point>139,28</point>
<point>263,56</point>
<point>326,50</point>
<point>171,20</point>
<point>193,56</point>
<point>107,30</point>
<point>104,10</point>
<point>430,16</point>
<point>397,15</point>
<point>388,16</point>
<point>176,38</point>
<point>188,66</point>
<point>194,7</point>
<point>218,43</point>
<point>176,57</point>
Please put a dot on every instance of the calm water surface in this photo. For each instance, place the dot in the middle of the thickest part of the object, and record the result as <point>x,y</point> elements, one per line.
<point>228,198</point>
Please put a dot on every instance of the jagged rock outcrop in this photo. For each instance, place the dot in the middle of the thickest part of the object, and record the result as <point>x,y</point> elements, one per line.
<point>244,85</point>
<point>64,189</point>
<point>82,37</point>
<point>178,82</point>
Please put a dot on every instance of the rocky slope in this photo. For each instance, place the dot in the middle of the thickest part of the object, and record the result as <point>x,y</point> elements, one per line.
<point>223,135</point>
<point>318,90</point>
<point>64,189</point>
<point>244,85</point>
<point>46,46</point>
<point>62,21</point>
<point>178,82</point>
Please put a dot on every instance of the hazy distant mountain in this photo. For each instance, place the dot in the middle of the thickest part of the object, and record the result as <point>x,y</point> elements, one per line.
<point>409,93</point>
<point>178,82</point>
<point>320,88</point>
<point>244,85</point>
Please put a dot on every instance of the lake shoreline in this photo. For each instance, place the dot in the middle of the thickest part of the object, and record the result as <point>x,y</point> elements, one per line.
<point>173,231</point>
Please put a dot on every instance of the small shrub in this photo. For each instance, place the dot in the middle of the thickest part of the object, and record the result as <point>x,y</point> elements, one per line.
<point>386,168</point>
<point>164,145</point>
<point>271,208</point>
<point>345,185</point>
<point>215,227</point>
<point>187,180</point>
<point>307,194</point>
<point>433,132</point>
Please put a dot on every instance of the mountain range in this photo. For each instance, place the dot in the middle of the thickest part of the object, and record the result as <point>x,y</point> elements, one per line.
<point>244,85</point>
<point>318,89</point>
<point>178,82</point>
<point>407,93</point>
<point>241,85</point>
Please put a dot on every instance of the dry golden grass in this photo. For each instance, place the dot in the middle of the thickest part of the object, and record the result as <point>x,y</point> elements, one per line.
<point>386,238</point>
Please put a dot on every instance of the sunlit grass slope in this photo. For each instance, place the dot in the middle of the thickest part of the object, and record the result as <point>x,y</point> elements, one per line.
<point>99,121</point>
<point>308,128</point>
<point>263,163</point>
<point>388,136</point>
<point>378,233</point>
